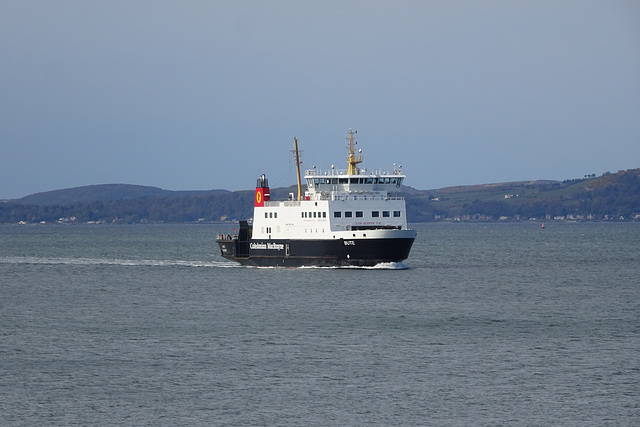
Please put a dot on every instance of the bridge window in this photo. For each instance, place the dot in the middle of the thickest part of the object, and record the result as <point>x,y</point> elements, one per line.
<point>343,180</point>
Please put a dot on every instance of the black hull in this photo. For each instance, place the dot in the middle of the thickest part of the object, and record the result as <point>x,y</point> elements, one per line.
<point>322,253</point>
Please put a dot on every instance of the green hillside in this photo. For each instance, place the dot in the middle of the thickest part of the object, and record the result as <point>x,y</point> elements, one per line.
<point>608,197</point>
<point>611,196</point>
<point>105,192</point>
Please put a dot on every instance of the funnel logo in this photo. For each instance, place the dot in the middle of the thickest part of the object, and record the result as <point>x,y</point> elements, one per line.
<point>259,197</point>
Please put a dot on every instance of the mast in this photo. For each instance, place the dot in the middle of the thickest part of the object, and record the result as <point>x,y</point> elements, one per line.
<point>351,158</point>
<point>295,144</point>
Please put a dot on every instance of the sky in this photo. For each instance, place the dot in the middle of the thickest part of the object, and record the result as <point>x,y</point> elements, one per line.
<point>197,95</point>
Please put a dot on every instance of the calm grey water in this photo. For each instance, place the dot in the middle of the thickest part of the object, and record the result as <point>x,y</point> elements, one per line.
<point>490,324</point>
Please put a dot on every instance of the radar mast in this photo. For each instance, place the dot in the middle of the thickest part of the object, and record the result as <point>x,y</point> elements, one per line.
<point>353,161</point>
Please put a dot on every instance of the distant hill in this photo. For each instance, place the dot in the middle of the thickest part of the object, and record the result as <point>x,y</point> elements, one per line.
<point>611,196</point>
<point>105,193</point>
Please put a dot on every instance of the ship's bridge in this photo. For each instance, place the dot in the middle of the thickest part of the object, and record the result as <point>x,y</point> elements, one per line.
<point>337,183</point>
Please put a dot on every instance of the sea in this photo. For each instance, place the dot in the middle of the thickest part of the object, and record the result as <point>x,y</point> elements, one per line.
<point>486,324</point>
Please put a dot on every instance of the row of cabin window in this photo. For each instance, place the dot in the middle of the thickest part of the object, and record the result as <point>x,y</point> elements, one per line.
<point>271,214</point>
<point>360,214</point>
<point>314,214</point>
<point>381,180</point>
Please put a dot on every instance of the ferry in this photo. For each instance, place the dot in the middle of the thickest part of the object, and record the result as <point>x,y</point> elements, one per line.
<point>346,217</point>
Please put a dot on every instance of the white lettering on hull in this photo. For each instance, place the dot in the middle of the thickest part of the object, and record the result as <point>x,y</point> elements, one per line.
<point>264,246</point>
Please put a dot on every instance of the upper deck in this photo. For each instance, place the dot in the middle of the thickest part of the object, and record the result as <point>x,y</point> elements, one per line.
<point>338,182</point>
<point>353,181</point>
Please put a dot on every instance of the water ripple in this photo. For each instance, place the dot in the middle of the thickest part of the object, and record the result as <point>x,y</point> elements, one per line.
<point>113,261</point>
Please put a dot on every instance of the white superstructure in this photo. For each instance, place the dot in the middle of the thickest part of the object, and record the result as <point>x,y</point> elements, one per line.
<point>338,204</point>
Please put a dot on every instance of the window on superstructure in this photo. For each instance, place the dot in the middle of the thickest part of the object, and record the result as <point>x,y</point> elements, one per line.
<point>385,214</point>
<point>368,180</point>
<point>275,214</point>
<point>375,214</point>
<point>266,215</point>
<point>353,180</point>
<point>343,180</point>
<point>314,215</point>
<point>324,214</point>
<point>270,214</point>
<point>359,214</point>
<point>348,214</point>
<point>337,214</point>
<point>396,214</point>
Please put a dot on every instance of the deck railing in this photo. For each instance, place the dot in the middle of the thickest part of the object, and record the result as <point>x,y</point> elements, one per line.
<point>317,172</point>
<point>278,203</point>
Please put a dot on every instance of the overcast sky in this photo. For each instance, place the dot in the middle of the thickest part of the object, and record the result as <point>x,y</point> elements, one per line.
<point>194,95</point>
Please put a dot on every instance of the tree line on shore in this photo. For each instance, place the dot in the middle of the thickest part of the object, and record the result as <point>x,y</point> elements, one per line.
<point>611,196</point>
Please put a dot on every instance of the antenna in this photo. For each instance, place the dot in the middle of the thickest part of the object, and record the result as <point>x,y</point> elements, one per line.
<point>297,155</point>
<point>352,161</point>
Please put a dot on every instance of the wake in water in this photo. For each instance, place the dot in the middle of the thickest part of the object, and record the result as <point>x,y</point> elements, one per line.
<point>171,263</point>
<point>115,261</point>
<point>380,266</point>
